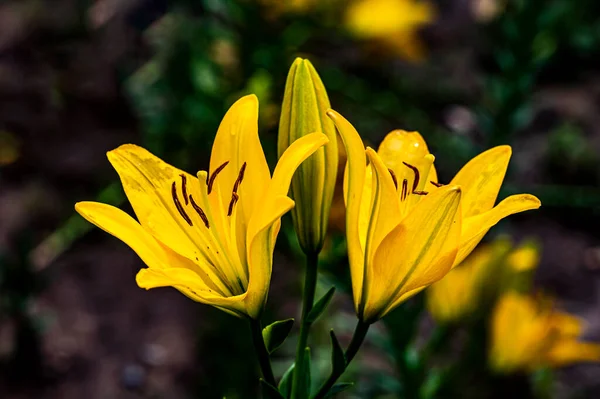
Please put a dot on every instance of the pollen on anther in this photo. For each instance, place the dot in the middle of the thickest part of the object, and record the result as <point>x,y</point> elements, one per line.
<point>404,192</point>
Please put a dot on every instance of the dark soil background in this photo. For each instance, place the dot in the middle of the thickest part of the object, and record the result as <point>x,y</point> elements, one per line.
<point>75,323</point>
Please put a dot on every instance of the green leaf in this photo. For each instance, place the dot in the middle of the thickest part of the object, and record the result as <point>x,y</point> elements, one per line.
<point>274,334</point>
<point>285,385</point>
<point>320,306</point>
<point>304,379</point>
<point>337,388</point>
<point>269,391</point>
<point>338,359</point>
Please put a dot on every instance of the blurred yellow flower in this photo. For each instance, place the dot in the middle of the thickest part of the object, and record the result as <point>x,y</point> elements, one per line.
<point>491,269</point>
<point>404,230</point>
<point>459,294</point>
<point>529,333</point>
<point>395,23</point>
<point>526,257</point>
<point>210,236</point>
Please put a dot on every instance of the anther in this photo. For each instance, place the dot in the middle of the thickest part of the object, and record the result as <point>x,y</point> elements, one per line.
<point>178,204</point>
<point>184,188</point>
<point>240,177</point>
<point>199,211</point>
<point>417,177</point>
<point>234,200</point>
<point>394,178</point>
<point>211,180</point>
<point>436,184</point>
<point>404,192</point>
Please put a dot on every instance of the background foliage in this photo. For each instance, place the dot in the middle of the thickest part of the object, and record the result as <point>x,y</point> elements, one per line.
<point>78,78</point>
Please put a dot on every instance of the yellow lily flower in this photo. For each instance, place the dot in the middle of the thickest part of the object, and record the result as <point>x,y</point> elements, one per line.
<point>394,23</point>
<point>404,230</point>
<point>528,334</point>
<point>210,236</point>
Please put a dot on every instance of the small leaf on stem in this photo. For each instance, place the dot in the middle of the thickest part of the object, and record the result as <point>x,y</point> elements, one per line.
<point>275,334</point>
<point>320,306</point>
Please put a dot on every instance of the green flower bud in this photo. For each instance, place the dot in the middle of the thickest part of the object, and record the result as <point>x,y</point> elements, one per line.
<point>303,112</point>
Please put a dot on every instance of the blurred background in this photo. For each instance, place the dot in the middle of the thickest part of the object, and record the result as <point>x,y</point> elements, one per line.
<point>80,77</point>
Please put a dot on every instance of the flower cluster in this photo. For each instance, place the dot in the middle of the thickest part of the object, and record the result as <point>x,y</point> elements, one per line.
<point>212,235</point>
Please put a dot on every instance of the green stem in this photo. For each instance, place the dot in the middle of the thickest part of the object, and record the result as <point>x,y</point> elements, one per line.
<point>261,352</point>
<point>308,299</point>
<point>357,339</point>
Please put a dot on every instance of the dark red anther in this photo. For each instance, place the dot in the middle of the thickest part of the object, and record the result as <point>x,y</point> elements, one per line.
<point>199,211</point>
<point>394,178</point>
<point>178,204</point>
<point>210,179</point>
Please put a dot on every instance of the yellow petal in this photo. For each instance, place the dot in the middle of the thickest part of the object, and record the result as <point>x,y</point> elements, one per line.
<point>475,227</point>
<point>119,224</point>
<point>264,225</point>
<point>289,161</point>
<point>282,177</point>
<point>155,255</point>
<point>572,351</point>
<point>384,208</point>
<point>148,184</point>
<point>407,155</point>
<point>260,255</point>
<point>567,324</point>
<point>355,172</point>
<point>418,252</point>
<point>188,283</point>
<point>237,143</point>
<point>481,178</point>
<point>401,146</point>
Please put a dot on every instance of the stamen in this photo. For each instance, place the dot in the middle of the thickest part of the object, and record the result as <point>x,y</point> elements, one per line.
<point>234,200</point>
<point>240,177</point>
<point>394,178</point>
<point>417,177</point>
<point>420,192</point>
<point>404,189</point>
<point>178,204</point>
<point>184,188</point>
<point>199,211</point>
<point>234,195</point>
<point>437,184</point>
<point>210,180</point>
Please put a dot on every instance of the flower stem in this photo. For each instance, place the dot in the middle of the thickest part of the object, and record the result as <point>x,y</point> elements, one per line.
<point>308,299</point>
<point>357,339</point>
<point>261,352</point>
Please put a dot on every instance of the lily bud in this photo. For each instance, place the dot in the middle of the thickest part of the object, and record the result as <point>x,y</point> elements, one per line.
<point>303,112</point>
